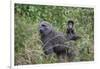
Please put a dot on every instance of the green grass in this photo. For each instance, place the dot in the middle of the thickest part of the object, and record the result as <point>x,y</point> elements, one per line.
<point>28,46</point>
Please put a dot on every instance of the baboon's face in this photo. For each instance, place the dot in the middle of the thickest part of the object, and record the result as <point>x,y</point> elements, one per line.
<point>45,28</point>
<point>70,24</point>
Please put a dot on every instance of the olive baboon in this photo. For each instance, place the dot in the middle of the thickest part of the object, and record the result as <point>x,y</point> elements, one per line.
<point>71,35</point>
<point>55,42</point>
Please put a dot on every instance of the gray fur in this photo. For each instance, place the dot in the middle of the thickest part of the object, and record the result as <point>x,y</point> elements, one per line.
<point>55,42</point>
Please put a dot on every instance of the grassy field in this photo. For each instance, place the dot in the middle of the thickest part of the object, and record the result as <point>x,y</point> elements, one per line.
<point>28,46</point>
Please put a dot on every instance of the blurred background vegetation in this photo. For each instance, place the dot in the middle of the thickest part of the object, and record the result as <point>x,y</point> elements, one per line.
<point>28,46</point>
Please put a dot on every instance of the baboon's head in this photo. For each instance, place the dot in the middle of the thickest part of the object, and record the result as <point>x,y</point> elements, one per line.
<point>45,28</point>
<point>70,24</point>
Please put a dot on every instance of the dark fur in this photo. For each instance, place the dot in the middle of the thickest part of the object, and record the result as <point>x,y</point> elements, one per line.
<point>71,35</point>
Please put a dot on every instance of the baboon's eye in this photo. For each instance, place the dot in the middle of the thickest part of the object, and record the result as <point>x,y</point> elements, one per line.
<point>43,25</point>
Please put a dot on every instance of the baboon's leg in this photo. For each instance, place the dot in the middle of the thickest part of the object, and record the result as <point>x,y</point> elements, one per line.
<point>62,58</point>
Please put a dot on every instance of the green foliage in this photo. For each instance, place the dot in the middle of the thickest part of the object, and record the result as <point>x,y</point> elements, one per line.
<point>28,46</point>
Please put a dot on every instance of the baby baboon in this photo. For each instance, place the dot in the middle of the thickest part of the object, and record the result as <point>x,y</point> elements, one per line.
<point>55,42</point>
<point>71,35</point>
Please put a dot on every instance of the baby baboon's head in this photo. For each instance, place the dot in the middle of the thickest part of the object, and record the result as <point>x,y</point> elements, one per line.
<point>70,24</point>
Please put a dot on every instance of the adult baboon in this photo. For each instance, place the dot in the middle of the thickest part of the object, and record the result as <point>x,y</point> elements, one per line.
<point>71,34</point>
<point>55,42</point>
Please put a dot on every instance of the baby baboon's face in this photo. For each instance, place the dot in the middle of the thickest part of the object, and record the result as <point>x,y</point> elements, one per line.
<point>70,24</point>
<point>45,28</point>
